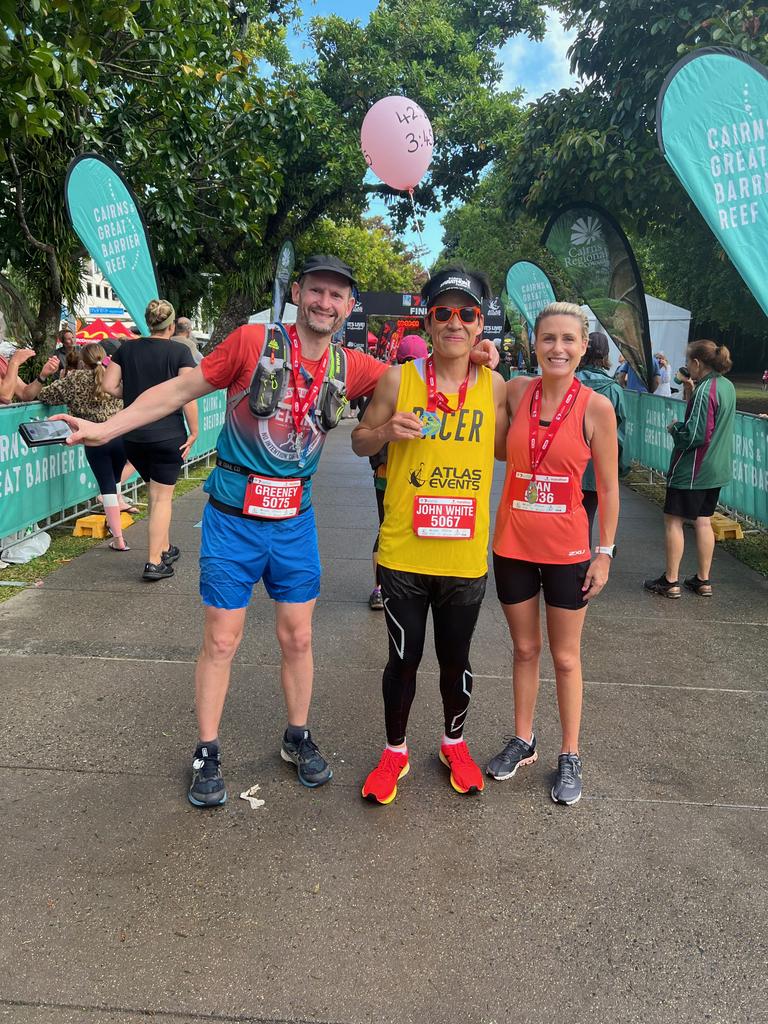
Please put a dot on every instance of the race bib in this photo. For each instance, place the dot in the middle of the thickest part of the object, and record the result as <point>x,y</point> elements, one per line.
<point>444,517</point>
<point>539,493</point>
<point>269,498</point>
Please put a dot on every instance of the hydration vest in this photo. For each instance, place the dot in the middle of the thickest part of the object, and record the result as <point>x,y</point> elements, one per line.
<point>269,382</point>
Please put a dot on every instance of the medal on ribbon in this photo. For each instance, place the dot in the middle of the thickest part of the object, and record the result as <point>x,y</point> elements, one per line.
<point>430,424</point>
<point>532,493</point>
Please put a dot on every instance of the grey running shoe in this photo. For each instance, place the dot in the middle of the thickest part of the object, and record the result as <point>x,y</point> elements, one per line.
<point>516,753</point>
<point>376,601</point>
<point>567,788</point>
<point>207,789</point>
<point>157,571</point>
<point>312,768</point>
<point>171,555</point>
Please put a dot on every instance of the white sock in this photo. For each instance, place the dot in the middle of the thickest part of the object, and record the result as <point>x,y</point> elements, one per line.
<point>400,749</point>
<point>448,742</point>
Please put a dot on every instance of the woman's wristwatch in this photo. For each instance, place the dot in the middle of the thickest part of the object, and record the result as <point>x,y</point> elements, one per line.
<point>609,550</point>
<point>41,380</point>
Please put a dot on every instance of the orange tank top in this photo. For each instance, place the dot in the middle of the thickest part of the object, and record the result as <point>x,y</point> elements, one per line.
<point>541,518</point>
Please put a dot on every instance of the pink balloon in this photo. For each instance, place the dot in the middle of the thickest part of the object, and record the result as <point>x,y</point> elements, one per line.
<point>396,140</point>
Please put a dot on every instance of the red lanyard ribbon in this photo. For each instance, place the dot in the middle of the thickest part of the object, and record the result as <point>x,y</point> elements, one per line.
<point>300,409</point>
<point>436,399</point>
<point>539,451</point>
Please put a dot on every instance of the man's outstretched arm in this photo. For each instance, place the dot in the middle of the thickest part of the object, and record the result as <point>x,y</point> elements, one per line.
<point>159,401</point>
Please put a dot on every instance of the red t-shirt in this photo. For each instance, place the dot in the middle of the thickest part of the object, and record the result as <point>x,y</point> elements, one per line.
<point>269,446</point>
<point>231,364</point>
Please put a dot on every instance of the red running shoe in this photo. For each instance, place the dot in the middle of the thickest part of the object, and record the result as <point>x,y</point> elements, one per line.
<point>381,785</point>
<point>466,777</point>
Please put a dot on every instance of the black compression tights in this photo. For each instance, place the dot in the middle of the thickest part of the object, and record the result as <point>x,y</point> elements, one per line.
<point>406,625</point>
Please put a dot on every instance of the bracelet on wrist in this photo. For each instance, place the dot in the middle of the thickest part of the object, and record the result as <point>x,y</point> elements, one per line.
<point>41,380</point>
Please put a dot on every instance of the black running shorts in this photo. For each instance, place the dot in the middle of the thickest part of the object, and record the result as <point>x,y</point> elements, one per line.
<point>160,461</point>
<point>691,504</point>
<point>518,581</point>
<point>438,590</point>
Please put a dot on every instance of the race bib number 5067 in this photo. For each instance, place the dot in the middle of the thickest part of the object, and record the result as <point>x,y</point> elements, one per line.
<point>444,517</point>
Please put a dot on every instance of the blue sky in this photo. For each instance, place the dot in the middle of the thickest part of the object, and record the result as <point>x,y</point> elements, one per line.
<point>536,67</point>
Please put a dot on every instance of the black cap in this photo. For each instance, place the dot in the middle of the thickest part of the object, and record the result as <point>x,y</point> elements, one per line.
<point>331,264</point>
<point>453,281</point>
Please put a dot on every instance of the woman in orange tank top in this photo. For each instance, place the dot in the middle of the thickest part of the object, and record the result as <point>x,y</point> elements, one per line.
<point>542,533</point>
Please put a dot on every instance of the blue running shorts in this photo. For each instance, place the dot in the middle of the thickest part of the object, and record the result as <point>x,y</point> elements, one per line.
<point>235,553</point>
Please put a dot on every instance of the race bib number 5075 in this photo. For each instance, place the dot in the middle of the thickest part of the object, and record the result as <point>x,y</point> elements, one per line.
<point>269,498</point>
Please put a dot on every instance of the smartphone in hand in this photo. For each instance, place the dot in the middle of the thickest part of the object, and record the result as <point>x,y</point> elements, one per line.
<point>37,432</point>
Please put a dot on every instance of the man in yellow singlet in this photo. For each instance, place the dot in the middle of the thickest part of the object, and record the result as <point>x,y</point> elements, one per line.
<point>442,418</point>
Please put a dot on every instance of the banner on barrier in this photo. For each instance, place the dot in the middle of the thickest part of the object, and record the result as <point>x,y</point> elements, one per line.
<point>106,217</point>
<point>36,483</point>
<point>648,442</point>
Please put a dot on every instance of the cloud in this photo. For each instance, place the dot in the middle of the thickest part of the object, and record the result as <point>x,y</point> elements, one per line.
<point>538,67</point>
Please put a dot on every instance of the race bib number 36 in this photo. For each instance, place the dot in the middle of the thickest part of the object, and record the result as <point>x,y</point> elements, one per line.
<point>539,493</point>
<point>444,517</point>
<point>268,498</point>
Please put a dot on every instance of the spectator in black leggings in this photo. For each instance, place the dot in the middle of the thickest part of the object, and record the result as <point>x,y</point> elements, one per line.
<point>82,391</point>
<point>157,450</point>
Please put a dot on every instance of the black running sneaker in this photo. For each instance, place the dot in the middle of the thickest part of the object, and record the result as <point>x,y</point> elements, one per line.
<point>663,587</point>
<point>157,571</point>
<point>701,587</point>
<point>567,787</point>
<point>312,768</point>
<point>516,754</point>
<point>171,555</point>
<point>207,789</point>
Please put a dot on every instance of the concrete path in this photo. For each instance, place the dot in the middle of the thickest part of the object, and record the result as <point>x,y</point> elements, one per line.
<point>122,903</point>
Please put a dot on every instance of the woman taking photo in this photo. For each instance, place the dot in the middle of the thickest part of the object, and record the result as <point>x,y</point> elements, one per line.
<point>542,533</point>
<point>701,464</point>
<point>82,391</point>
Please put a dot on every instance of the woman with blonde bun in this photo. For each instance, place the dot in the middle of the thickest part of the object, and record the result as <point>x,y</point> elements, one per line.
<point>159,449</point>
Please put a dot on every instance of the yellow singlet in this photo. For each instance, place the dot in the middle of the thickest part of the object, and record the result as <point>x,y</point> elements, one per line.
<point>437,501</point>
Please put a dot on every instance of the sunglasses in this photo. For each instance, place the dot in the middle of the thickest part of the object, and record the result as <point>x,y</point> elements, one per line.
<point>467,314</point>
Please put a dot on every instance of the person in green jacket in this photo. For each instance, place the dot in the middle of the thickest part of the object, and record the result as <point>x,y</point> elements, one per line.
<point>593,373</point>
<point>701,464</point>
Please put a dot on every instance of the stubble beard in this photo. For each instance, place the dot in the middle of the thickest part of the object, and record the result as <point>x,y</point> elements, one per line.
<point>322,330</point>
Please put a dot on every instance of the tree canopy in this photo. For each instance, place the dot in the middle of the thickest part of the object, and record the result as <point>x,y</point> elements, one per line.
<point>229,144</point>
<point>597,141</point>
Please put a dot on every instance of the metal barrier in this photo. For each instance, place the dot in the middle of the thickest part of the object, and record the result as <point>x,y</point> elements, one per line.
<point>53,484</point>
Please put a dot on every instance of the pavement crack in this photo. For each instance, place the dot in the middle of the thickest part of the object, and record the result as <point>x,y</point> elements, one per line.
<point>180,1015</point>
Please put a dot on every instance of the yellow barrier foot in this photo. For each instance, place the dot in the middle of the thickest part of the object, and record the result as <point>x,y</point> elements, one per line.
<point>725,528</point>
<point>91,526</point>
